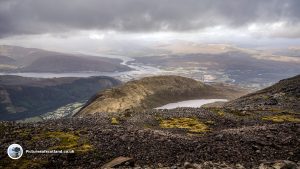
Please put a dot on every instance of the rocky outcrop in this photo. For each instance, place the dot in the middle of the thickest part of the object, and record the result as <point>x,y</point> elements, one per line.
<point>119,162</point>
<point>283,96</point>
<point>280,164</point>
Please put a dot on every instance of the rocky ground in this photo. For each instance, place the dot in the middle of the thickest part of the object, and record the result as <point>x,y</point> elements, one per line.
<point>282,96</point>
<point>179,138</point>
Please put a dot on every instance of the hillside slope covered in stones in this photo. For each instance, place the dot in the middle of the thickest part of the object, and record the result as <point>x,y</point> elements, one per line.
<point>179,138</point>
<point>283,96</point>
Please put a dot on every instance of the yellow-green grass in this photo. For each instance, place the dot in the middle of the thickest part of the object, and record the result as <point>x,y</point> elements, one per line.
<point>210,122</point>
<point>114,121</point>
<point>282,118</point>
<point>221,113</point>
<point>67,141</point>
<point>192,125</point>
<point>26,163</point>
<point>218,111</point>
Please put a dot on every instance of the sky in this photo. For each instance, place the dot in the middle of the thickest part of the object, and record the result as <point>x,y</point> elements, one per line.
<point>99,25</point>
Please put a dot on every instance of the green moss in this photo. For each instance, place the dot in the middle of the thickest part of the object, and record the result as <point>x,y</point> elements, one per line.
<point>114,121</point>
<point>31,164</point>
<point>193,125</point>
<point>273,110</point>
<point>221,113</point>
<point>23,133</point>
<point>66,141</point>
<point>147,126</point>
<point>84,148</point>
<point>282,118</point>
<point>265,97</point>
<point>158,117</point>
<point>216,110</point>
<point>210,122</point>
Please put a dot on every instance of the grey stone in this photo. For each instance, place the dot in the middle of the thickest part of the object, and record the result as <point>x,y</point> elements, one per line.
<point>119,161</point>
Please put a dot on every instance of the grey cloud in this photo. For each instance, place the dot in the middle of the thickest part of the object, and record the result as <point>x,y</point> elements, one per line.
<point>47,16</point>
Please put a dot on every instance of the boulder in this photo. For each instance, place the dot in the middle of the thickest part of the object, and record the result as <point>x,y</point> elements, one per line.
<point>119,161</point>
<point>280,164</point>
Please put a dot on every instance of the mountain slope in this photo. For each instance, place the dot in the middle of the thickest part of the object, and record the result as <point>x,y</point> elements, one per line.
<point>6,60</point>
<point>151,92</point>
<point>282,96</point>
<point>37,60</point>
<point>6,63</point>
<point>22,97</point>
<point>68,63</point>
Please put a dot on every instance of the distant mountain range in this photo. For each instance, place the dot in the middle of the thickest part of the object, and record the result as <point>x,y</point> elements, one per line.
<point>19,59</point>
<point>226,63</point>
<point>22,97</point>
<point>152,92</point>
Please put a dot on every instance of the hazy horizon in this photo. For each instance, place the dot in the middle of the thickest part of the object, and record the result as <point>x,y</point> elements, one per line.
<point>251,43</point>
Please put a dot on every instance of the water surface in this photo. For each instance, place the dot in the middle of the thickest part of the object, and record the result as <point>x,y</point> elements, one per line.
<point>190,103</point>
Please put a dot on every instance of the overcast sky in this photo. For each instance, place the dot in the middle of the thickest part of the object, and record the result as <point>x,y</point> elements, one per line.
<point>86,23</point>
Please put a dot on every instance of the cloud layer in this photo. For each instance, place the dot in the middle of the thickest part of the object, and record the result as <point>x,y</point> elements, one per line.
<point>50,16</point>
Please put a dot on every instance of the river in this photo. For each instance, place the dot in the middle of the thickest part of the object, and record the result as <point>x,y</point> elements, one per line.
<point>139,70</point>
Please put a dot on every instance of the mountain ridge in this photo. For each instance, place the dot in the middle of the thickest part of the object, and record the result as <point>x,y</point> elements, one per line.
<point>38,60</point>
<point>151,92</point>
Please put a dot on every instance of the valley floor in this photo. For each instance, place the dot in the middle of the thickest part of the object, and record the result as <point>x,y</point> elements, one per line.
<point>155,139</point>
